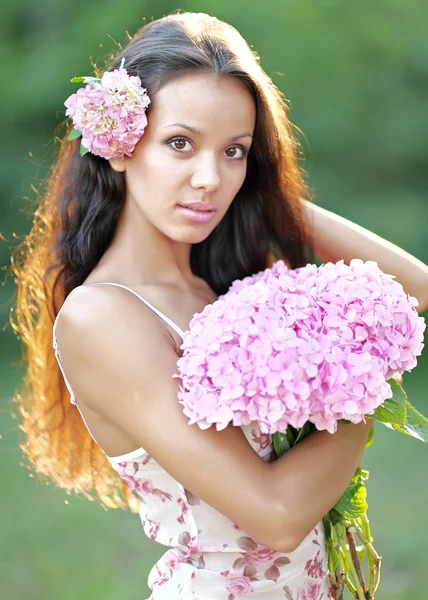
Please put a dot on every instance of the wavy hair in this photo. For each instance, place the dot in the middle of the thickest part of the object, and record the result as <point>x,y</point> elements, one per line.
<point>77,216</point>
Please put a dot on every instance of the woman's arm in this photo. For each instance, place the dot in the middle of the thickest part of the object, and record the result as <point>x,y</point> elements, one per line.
<point>312,476</point>
<point>337,238</point>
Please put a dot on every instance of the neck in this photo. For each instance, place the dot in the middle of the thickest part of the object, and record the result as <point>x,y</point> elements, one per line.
<point>141,254</point>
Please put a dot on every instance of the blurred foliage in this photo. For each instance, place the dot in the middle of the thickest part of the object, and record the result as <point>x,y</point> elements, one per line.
<point>356,76</point>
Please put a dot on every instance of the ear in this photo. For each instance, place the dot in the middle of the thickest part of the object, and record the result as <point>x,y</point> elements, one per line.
<point>117,164</point>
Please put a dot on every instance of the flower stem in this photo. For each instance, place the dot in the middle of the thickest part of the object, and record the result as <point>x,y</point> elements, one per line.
<point>349,577</point>
<point>373,557</point>
<point>344,572</point>
<point>356,562</point>
<point>336,575</point>
<point>357,584</point>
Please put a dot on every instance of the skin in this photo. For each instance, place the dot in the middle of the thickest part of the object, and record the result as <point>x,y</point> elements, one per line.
<point>121,369</point>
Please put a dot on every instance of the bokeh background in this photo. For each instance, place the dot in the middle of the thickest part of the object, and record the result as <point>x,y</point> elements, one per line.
<point>356,75</point>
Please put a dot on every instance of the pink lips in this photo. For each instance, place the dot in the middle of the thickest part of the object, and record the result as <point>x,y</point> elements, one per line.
<point>198,212</point>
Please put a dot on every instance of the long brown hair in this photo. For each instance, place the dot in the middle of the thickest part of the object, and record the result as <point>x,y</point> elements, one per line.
<point>77,216</point>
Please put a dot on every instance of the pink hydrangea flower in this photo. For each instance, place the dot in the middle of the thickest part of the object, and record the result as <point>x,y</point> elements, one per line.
<point>110,113</point>
<point>285,347</point>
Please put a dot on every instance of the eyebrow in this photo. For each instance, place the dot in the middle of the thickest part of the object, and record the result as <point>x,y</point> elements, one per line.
<point>198,132</point>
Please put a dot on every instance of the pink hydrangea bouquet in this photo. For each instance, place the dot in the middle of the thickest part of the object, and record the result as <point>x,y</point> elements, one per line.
<point>298,350</point>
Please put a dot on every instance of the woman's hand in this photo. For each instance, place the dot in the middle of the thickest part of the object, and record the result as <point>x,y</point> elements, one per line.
<point>337,238</point>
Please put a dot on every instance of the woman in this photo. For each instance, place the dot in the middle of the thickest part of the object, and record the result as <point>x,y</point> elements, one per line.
<point>130,248</point>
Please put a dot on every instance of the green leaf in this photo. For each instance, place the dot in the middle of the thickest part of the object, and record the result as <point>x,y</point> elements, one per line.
<point>281,443</point>
<point>333,556</point>
<point>91,79</point>
<point>416,424</point>
<point>327,526</point>
<point>83,150</point>
<point>334,560</point>
<point>362,474</point>
<point>370,438</point>
<point>304,432</point>
<point>75,133</point>
<point>353,503</point>
<point>393,410</point>
<point>334,517</point>
<point>86,79</point>
<point>399,414</point>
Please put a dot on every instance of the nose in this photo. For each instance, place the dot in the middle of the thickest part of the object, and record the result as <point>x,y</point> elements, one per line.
<point>206,175</point>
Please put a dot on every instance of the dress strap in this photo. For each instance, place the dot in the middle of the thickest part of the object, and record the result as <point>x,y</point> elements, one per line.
<point>155,310</point>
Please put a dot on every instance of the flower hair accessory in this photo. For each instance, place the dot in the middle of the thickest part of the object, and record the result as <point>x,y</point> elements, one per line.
<point>109,113</point>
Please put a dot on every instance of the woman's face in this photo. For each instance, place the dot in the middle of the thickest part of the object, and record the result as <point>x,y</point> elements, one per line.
<point>193,152</point>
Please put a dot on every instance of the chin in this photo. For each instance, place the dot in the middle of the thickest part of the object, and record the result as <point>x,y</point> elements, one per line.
<point>195,238</point>
<point>193,235</point>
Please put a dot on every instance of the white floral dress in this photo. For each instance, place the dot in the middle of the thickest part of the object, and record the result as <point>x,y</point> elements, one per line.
<point>209,557</point>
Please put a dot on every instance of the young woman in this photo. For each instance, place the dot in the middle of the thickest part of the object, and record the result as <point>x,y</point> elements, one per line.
<point>130,248</point>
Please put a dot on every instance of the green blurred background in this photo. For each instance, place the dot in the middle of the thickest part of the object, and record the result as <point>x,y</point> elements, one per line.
<point>356,74</point>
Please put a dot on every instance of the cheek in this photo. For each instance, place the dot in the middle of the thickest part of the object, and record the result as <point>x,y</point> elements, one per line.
<point>153,171</point>
<point>235,179</point>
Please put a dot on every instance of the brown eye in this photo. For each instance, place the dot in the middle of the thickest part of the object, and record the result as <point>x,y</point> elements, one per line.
<point>179,144</point>
<point>233,152</point>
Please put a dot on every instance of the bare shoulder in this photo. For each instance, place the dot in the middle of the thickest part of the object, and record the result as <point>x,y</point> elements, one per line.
<point>106,337</point>
<point>102,309</point>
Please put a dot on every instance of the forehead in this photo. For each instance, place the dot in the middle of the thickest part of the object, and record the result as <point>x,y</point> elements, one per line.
<point>205,101</point>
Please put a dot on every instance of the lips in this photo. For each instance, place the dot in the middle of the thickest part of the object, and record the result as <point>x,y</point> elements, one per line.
<point>199,206</point>
<point>197,212</point>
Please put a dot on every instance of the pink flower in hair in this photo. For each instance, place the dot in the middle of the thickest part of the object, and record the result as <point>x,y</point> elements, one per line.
<point>109,113</point>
